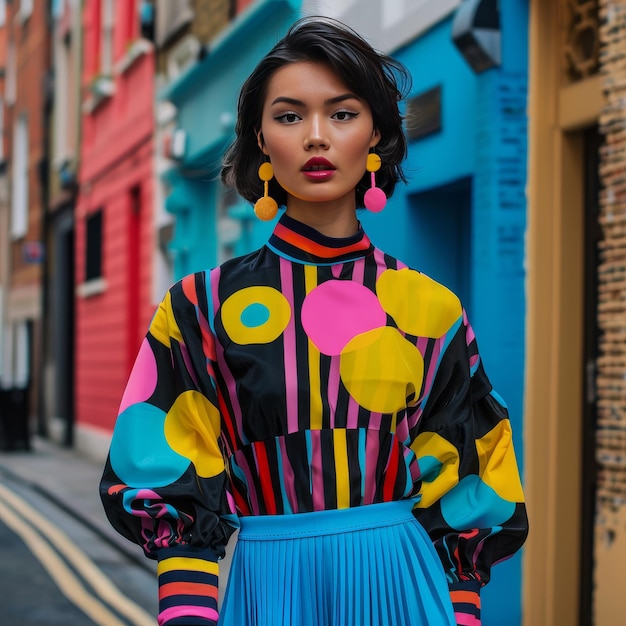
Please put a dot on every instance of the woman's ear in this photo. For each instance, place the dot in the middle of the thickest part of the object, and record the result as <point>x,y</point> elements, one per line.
<point>261,143</point>
<point>375,138</point>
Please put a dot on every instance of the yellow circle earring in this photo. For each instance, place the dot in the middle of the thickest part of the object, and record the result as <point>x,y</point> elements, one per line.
<point>266,208</point>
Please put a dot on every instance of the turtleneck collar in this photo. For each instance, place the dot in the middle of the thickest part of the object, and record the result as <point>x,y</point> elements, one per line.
<point>301,243</point>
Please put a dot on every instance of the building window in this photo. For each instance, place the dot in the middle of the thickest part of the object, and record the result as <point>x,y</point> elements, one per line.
<point>6,354</point>
<point>26,9</point>
<point>15,355</point>
<point>93,249</point>
<point>65,111</point>
<point>19,200</point>
<point>229,229</point>
<point>423,114</point>
<point>21,356</point>
<point>182,56</point>
<point>106,37</point>
<point>146,16</point>
<point>10,84</point>
<point>582,40</point>
<point>3,12</point>
<point>171,18</point>
<point>1,130</point>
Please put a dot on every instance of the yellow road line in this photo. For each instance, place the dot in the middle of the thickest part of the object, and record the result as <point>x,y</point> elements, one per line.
<point>63,577</point>
<point>67,582</point>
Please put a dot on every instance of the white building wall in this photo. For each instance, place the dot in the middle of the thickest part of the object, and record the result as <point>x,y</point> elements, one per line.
<point>386,24</point>
<point>163,271</point>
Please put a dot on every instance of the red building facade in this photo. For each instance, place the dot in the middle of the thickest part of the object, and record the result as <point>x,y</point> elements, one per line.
<point>114,215</point>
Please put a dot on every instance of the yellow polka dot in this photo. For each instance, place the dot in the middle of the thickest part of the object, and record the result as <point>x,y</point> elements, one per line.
<point>498,466</point>
<point>419,305</point>
<point>439,463</point>
<point>164,327</point>
<point>381,370</point>
<point>192,427</point>
<point>278,315</point>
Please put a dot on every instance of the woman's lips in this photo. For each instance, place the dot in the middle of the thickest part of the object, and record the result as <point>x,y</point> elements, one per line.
<point>318,174</point>
<point>319,169</point>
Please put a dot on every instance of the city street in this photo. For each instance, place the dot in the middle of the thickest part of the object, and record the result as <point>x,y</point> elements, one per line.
<point>60,565</point>
<point>291,256</point>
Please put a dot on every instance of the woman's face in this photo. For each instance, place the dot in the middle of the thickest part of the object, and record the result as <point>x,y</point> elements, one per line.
<point>317,135</point>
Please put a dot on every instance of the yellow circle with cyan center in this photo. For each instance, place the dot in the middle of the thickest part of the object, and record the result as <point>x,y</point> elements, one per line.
<point>266,171</point>
<point>373,162</point>
<point>278,314</point>
<point>381,370</point>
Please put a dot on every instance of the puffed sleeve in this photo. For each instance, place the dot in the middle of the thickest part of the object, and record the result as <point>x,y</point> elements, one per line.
<point>472,504</point>
<point>164,485</point>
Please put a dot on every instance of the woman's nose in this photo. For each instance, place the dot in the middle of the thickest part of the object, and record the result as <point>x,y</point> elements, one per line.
<point>316,135</point>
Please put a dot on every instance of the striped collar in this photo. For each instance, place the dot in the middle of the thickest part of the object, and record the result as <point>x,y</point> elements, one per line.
<point>298,242</point>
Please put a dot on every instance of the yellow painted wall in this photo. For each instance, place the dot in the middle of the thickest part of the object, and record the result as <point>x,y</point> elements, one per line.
<point>555,253</point>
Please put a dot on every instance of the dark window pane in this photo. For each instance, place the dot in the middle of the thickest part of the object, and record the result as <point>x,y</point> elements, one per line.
<point>93,254</point>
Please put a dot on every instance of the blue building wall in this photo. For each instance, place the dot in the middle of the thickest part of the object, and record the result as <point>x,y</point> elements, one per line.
<point>462,219</point>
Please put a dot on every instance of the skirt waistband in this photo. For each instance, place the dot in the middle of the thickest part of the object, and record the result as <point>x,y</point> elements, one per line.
<point>317,523</point>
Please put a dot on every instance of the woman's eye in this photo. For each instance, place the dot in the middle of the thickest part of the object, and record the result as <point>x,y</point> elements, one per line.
<point>287,118</point>
<point>343,116</point>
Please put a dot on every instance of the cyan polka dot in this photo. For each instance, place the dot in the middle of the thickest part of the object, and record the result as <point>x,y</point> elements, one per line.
<point>473,504</point>
<point>255,315</point>
<point>140,454</point>
<point>430,467</point>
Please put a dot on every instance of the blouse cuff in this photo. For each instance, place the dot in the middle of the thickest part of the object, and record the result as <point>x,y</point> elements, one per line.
<point>465,596</point>
<point>188,586</point>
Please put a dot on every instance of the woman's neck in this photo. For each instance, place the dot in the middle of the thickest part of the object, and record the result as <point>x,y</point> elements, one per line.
<point>326,219</point>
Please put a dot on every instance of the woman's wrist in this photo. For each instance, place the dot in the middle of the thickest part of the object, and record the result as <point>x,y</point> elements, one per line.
<point>465,596</point>
<point>188,587</point>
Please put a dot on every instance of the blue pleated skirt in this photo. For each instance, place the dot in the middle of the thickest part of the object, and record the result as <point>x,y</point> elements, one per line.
<point>366,566</point>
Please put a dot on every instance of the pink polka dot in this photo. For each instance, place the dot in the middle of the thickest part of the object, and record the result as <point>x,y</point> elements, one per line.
<point>338,310</point>
<point>143,378</point>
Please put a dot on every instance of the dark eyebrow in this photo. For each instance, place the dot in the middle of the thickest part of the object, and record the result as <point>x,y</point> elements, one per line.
<point>335,100</point>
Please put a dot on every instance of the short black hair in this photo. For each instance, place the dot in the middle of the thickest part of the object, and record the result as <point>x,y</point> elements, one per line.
<point>378,79</point>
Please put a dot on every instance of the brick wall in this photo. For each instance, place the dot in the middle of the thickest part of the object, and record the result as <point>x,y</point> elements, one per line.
<point>31,40</point>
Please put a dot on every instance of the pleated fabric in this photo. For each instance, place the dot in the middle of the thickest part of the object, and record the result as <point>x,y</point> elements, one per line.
<point>365,566</point>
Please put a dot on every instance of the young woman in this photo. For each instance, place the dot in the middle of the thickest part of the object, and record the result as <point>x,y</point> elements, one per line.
<point>317,393</point>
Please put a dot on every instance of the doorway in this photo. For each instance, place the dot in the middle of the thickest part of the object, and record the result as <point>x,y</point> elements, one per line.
<point>592,235</point>
<point>439,223</point>
<point>63,331</point>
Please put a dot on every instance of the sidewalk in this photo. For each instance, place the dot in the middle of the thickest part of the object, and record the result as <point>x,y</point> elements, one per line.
<point>71,481</point>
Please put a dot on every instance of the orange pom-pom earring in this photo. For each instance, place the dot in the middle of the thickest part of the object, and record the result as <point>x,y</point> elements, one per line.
<point>266,207</point>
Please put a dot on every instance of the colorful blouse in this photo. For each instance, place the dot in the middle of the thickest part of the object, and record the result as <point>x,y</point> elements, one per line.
<point>314,374</point>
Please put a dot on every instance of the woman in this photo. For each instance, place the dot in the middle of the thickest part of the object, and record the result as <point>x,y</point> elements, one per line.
<point>318,393</point>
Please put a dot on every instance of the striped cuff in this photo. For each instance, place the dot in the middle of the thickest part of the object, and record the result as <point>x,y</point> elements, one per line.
<point>465,596</point>
<point>188,586</point>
